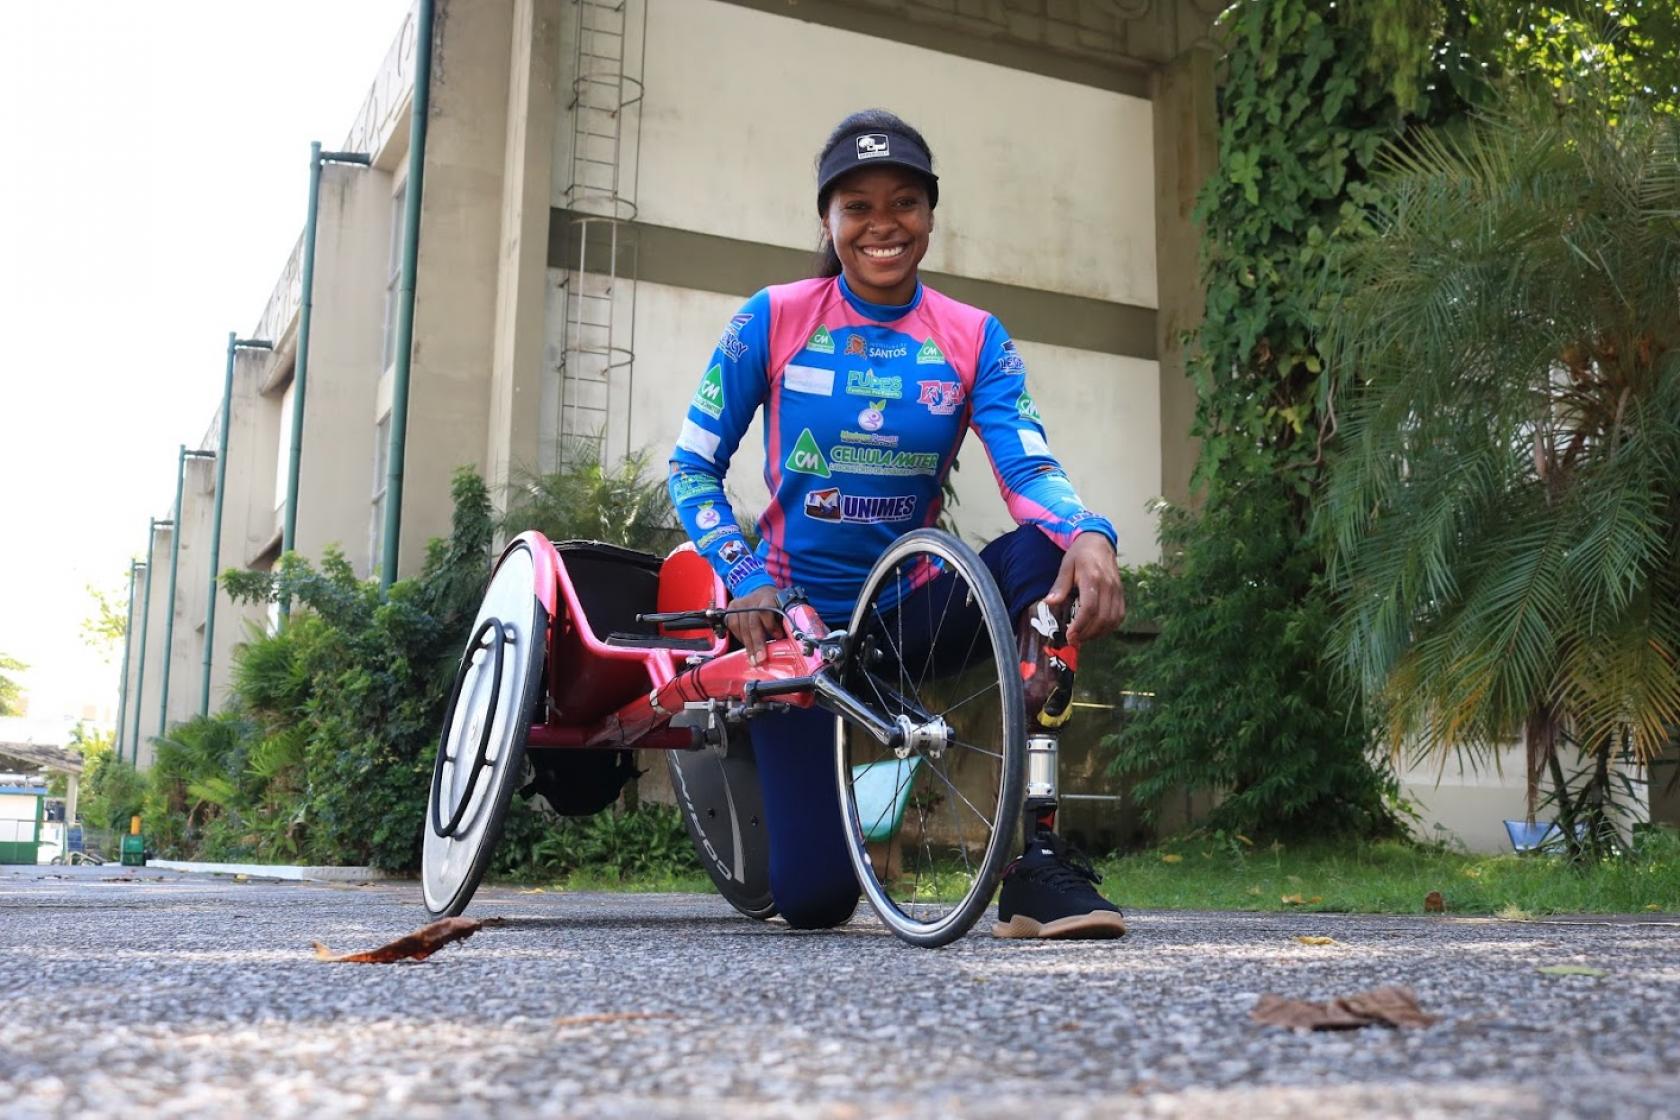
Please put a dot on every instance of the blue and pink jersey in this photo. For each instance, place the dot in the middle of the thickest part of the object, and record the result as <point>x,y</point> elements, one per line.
<point>865,409</point>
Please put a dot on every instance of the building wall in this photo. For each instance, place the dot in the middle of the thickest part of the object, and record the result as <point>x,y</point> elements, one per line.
<point>1465,799</point>
<point>352,246</point>
<point>1046,217</point>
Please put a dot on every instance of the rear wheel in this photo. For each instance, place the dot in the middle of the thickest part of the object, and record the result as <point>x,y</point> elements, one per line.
<point>931,823</point>
<point>722,807</point>
<point>482,746</point>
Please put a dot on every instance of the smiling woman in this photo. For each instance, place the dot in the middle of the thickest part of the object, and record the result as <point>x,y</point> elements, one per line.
<point>869,380</point>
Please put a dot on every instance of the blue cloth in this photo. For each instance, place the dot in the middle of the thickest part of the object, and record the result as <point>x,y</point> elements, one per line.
<point>810,875</point>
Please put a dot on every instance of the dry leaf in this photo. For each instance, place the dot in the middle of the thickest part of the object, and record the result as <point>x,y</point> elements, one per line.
<point>1433,903</point>
<point>534,890</point>
<point>1171,857</point>
<point>1571,970</point>
<point>1386,1007</point>
<point>416,946</point>
<point>1653,907</point>
<point>1307,939</point>
<point>1297,900</point>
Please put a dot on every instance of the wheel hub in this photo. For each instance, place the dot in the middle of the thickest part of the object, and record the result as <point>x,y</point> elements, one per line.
<point>928,738</point>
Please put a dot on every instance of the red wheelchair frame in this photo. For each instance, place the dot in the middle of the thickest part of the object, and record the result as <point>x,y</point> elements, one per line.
<point>673,688</point>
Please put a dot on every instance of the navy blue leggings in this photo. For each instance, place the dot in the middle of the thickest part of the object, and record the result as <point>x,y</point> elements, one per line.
<point>810,876</point>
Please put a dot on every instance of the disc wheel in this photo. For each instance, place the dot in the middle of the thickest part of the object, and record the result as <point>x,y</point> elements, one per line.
<point>931,824</point>
<point>482,746</point>
<point>724,813</point>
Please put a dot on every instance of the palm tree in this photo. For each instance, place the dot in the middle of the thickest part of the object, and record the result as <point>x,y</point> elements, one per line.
<point>1504,512</point>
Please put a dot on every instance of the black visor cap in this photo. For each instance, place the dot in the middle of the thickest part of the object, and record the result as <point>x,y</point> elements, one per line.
<point>873,148</point>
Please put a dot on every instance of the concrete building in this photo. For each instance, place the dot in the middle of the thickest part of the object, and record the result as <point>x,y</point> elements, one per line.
<point>605,181</point>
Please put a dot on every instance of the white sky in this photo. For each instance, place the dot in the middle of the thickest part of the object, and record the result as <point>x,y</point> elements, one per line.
<point>153,168</point>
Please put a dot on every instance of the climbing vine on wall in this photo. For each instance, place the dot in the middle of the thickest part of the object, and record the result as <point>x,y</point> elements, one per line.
<point>1243,706</point>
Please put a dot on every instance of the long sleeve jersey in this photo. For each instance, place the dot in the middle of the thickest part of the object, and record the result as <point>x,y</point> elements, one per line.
<point>865,409</point>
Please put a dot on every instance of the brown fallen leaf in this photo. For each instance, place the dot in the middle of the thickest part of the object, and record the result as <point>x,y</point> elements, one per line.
<point>1389,1006</point>
<point>1433,903</point>
<point>1308,939</point>
<point>416,946</point>
<point>1297,900</point>
<point>610,1017</point>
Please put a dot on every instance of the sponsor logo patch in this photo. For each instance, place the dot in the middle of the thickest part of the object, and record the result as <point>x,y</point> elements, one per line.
<point>709,397</point>
<point>1027,409</point>
<point>865,383</point>
<point>731,343</point>
<point>856,346</point>
<point>888,353</point>
<point>821,341</point>
<point>873,145</point>
<point>808,379</point>
<point>698,440</point>
<point>859,509</point>
<point>707,517</point>
<point>929,354</point>
<point>733,552</point>
<point>688,486</point>
<point>806,457</point>
<point>872,438</point>
<point>881,460</point>
<point>1033,443</point>
<point>1011,362</point>
<point>873,418</point>
<point>713,537</point>
<point>942,398</point>
<point>739,573</point>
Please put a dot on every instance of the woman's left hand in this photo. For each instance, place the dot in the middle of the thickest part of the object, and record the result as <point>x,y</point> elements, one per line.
<point>1090,568</point>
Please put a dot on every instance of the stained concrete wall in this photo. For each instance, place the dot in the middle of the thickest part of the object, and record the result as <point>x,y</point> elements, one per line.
<point>1044,184</point>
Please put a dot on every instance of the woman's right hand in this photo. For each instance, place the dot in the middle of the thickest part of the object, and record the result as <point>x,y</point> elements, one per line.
<point>756,627</point>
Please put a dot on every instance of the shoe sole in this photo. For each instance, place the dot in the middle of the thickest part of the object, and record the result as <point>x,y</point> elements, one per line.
<point>1101,925</point>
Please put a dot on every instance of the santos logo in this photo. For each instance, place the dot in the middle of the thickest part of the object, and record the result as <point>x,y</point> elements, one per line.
<point>832,505</point>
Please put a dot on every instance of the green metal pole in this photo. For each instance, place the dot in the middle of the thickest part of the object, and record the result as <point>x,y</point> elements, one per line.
<point>234,343</point>
<point>128,644</point>
<point>152,525</point>
<point>419,105</point>
<point>174,569</point>
<point>300,370</point>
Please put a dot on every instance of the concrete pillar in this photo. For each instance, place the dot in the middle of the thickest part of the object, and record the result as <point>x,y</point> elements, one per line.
<point>1186,152</point>
<point>459,267</point>
<point>516,388</point>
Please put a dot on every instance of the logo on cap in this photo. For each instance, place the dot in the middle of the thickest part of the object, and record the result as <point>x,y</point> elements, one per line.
<point>872,145</point>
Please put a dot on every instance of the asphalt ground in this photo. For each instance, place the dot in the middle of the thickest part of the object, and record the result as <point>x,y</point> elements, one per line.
<point>146,993</point>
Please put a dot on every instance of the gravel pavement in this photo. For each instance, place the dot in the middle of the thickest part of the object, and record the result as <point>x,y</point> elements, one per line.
<point>148,993</point>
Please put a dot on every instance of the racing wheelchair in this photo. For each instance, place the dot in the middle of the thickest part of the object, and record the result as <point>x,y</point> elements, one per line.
<point>582,651</point>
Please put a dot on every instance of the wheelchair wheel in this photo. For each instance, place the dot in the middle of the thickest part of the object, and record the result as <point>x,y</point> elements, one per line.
<point>482,745</point>
<point>932,824</point>
<point>724,813</point>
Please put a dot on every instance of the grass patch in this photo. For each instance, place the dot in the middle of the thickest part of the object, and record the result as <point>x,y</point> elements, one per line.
<point>1202,873</point>
<point>586,879</point>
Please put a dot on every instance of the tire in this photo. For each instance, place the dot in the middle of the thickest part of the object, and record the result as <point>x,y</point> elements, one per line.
<point>942,819</point>
<point>723,810</point>
<point>481,748</point>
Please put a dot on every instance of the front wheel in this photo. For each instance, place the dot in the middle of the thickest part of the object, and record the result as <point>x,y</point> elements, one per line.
<point>931,822</point>
<point>482,746</point>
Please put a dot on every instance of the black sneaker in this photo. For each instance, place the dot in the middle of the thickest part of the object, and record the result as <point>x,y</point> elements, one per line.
<point>1051,892</point>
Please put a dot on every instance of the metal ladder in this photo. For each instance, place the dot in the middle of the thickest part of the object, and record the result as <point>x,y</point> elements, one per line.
<point>597,353</point>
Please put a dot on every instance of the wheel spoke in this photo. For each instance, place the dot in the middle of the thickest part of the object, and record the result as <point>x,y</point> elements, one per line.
<point>952,786</point>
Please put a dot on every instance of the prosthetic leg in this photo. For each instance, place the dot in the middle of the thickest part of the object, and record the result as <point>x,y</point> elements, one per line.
<point>1048,662</point>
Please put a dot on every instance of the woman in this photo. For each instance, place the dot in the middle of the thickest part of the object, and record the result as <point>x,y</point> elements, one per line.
<point>866,345</point>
